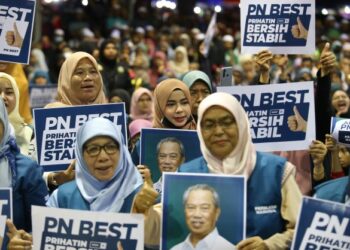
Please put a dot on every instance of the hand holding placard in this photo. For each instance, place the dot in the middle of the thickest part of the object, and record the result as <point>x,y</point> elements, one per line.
<point>255,243</point>
<point>263,59</point>
<point>145,198</point>
<point>18,239</point>
<point>14,38</point>
<point>327,60</point>
<point>296,122</point>
<point>318,151</point>
<point>299,31</point>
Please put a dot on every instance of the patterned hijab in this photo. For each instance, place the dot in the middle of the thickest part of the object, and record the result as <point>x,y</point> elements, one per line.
<point>108,195</point>
<point>161,95</point>
<point>65,95</point>
<point>241,160</point>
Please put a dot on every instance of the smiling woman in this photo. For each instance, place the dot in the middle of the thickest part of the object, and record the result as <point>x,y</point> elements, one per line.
<point>79,82</point>
<point>172,105</point>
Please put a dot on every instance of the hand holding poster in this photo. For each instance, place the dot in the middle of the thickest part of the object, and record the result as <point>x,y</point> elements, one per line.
<point>56,228</point>
<point>281,116</point>
<point>322,225</point>
<point>198,207</point>
<point>16,26</point>
<point>56,130</point>
<point>282,26</point>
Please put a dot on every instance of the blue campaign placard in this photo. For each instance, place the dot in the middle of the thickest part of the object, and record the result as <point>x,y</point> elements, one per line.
<point>56,128</point>
<point>281,116</point>
<point>340,130</point>
<point>6,202</point>
<point>6,212</point>
<point>150,139</point>
<point>283,26</point>
<point>16,27</point>
<point>40,96</point>
<point>322,225</point>
<point>177,213</point>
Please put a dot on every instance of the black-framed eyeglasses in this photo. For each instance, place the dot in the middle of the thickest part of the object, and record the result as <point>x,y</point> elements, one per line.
<point>95,150</point>
<point>225,123</point>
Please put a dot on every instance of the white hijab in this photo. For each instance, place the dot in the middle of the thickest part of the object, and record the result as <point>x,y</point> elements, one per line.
<point>241,160</point>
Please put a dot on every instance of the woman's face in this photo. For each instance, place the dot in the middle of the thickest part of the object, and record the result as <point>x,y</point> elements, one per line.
<point>199,90</point>
<point>8,94</point>
<point>179,56</point>
<point>340,101</point>
<point>86,81</point>
<point>116,99</point>
<point>344,157</point>
<point>101,155</point>
<point>177,109</point>
<point>110,51</point>
<point>219,131</point>
<point>144,104</point>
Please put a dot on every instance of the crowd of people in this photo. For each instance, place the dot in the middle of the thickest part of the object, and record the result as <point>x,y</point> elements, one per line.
<point>160,72</point>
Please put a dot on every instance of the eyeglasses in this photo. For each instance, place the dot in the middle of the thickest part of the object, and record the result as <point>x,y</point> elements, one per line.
<point>95,150</point>
<point>225,123</point>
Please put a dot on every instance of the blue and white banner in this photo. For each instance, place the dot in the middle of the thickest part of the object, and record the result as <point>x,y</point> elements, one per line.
<point>55,228</point>
<point>282,26</point>
<point>16,27</point>
<point>281,116</point>
<point>340,130</point>
<point>192,203</point>
<point>40,96</point>
<point>56,128</point>
<point>5,211</point>
<point>322,225</point>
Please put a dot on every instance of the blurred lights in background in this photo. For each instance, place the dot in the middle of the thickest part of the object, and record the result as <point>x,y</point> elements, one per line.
<point>165,4</point>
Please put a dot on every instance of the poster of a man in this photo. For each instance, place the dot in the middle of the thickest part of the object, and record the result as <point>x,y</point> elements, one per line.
<point>197,216</point>
<point>170,155</point>
<point>202,210</point>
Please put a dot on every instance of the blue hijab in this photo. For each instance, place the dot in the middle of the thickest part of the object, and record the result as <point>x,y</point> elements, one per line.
<point>108,195</point>
<point>8,151</point>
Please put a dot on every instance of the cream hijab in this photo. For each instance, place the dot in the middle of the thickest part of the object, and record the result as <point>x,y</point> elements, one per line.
<point>65,95</point>
<point>182,66</point>
<point>23,132</point>
<point>241,160</point>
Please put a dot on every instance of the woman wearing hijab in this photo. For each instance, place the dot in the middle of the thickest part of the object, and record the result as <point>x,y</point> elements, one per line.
<point>20,173</point>
<point>172,105</point>
<point>227,148</point>
<point>79,82</point>
<point>106,179</point>
<point>17,72</point>
<point>115,74</point>
<point>142,104</point>
<point>10,93</point>
<point>172,109</point>
<point>337,190</point>
<point>180,64</point>
<point>200,87</point>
